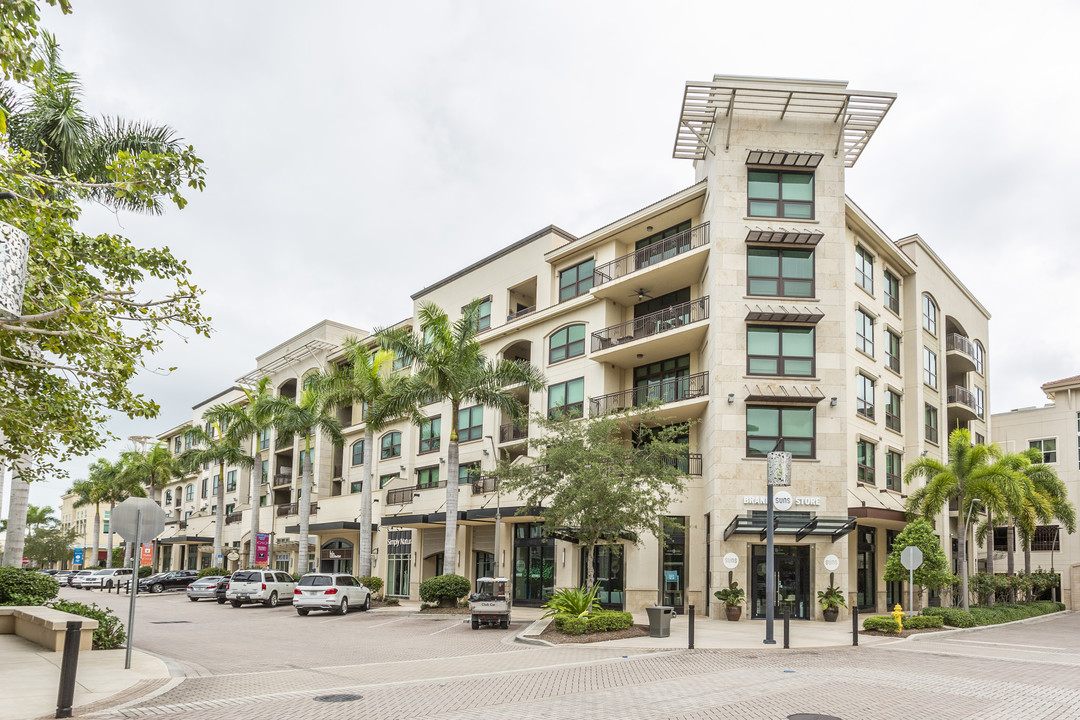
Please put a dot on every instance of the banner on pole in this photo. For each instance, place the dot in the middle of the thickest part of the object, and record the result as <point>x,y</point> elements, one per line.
<point>262,548</point>
<point>147,556</point>
<point>78,558</point>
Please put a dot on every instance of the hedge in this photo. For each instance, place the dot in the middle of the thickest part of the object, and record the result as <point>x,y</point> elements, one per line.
<point>23,587</point>
<point>207,572</point>
<point>372,583</point>
<point>882,623</point>
<point>993,615</point>
<point>920,622</point>
<point>596,621</point>
<point>146,571</point>
<point>444,589</point>
<point>953,617</point>
<point>110,630</point>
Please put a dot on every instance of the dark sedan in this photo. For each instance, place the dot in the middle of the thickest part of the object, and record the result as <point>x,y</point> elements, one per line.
<point>175,580</point>
<point>219,591</point>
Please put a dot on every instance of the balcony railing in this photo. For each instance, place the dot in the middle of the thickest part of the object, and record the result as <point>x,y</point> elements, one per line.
<point>670,318</point>
<point>511,432</point>
<point>520,313</point>
<point>484,485</point>
<point>956,341</point>
<point>183,525</point>
<point>690,464</point>
<point>666,391</point>
<point>400,496</point>
<point>964,397</point>
<point>233,517</point>
<point>685,241</point>
<point>294,508</point>
<point>282,479</point>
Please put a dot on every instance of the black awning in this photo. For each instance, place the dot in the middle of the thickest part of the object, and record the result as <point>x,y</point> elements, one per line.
<point>570,534</point>
<point>181,539</point>
<point>798,525</point>
<point>793,315</point>
<point>784,237</point>
<point>440,517</point>
<point>507,513</point>
<point>330,527</point>
<point>403,520</point>
<point>781,158</point>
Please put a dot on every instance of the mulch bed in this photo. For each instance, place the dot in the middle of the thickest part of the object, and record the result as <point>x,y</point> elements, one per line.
<point>905,633</point>
<point>445,611</point>
<point>555,636</point>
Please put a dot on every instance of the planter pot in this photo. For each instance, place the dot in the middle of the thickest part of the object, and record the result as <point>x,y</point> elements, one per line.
<point>831,614</point>
<point>734,612</point>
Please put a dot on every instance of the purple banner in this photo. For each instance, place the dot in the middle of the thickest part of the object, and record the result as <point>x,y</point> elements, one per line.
<point>262,548</point>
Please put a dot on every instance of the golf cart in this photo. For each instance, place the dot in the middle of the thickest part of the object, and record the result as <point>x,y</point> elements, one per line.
<point>490,603</point>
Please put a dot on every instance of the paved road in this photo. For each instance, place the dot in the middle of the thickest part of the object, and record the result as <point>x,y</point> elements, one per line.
<point>1026,671</point>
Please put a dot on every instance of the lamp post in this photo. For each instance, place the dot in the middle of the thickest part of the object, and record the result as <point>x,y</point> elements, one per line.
<point>778,473</point>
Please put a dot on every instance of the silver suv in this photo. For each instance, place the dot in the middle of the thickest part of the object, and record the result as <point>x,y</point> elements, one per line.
<point>268,587</point>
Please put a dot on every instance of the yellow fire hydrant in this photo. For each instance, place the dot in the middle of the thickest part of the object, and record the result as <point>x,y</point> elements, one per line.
<point>898,616</point>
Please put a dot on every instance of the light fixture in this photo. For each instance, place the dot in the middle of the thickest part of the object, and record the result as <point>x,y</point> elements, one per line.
<point>564,557</point>
<point>832,402</point>
<point>648,228</point>
<point>639,356</point>
<point>730,398</point>
<point>486,453</point>
<point>402,468</point>
<point>442,460</point>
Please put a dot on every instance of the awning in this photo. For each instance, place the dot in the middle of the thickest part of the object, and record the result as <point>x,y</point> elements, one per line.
<point>783,314</point>
<point>440,517</point>
<point>330,527</point>
<point>508,514</point>
<point>183,539</point>
<point>783,158</point>
<point>876,504</point>
<point>571,535</point>
<point>784,237</point>
<point>403,520</point>
<point>770,393</point>
<point>783,524</point>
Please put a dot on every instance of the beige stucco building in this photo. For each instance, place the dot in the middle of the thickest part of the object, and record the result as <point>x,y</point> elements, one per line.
<point>760,303</point>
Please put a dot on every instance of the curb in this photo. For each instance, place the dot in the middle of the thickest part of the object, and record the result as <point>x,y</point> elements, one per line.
<point>957,631</point>
<point>531,634</point>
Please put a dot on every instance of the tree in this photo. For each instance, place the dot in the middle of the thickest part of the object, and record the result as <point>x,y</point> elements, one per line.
<point>155,468</point>
<point>50,544</point>
<point>218,449</point>
<point>18,61</point>
<point>588,479</point>
<point>449,365</point>
<point>37,516</point>
<point>91,492</point>
<point>302,418</point>
<point>365,379</point>
<point>934,571</point>
<point>973,472</point>
<point>1048,502</point>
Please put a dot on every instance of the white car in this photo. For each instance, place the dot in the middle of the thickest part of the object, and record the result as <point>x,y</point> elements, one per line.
<point>268,587</point>
<point>330,591</point>
<point>107,578</point>
<point>77,579</point>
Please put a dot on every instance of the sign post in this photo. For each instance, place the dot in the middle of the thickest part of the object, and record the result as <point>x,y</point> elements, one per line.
<point>778,473</point>
<point>136,519</point>
<point>911,558</point>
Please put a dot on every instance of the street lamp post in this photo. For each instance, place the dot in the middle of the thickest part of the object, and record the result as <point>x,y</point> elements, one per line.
<point>778,473</point>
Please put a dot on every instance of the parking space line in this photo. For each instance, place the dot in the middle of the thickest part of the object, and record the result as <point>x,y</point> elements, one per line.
<point>452,625</point>
<point>389,622</point>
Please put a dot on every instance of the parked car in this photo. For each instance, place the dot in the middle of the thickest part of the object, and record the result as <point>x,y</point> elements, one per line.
<point>269,587</point>
<point>107,578</point>
<point>337,592</point>
<point>203,588</point>
<point>76,580</point>
<point>48,572</point>
<point>62,576</point>
<point>167,581</point>
<point>221,589</point>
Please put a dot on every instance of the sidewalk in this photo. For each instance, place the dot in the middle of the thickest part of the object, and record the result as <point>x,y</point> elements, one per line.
<point>31,678</point>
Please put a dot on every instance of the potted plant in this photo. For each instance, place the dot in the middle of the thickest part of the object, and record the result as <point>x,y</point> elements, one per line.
<point>732,597</point>
<point>831,600</point>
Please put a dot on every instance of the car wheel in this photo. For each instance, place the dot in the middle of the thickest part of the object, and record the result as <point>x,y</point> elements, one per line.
<point>367,603</point>
<point>475,624</point>
<point>302,611</point>
<point>221,601</point>
<point>504,624</point>
<point>343,608</point>
<point>272,600</point>
<point>157,587</point>
<point>236,603</point>
<point>194,599</point>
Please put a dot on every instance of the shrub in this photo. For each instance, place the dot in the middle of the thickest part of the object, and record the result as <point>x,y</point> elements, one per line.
<point>207,572</point>
<point>110,631</point>
<point>19,587</point>
<point>920,622</point>
<point>570,624</point>
<point>882,623</point>
<point>146,571</point>
<point>571,601</point>
<point>372,583</point>
<point>953,617</point>
<point>608,620</point>
<point>444,589</point>
<point>392,601</point>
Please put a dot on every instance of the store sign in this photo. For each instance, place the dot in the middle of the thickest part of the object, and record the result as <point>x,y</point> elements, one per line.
<point>796,501</point>
<point>831,562</point>
<point>399,542</point>
<point>731,561</point>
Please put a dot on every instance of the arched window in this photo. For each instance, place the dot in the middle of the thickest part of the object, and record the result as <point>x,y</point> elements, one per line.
<point>390,445</point>
<point>566,343</point>
<point>189,494</point>
<point>929,314</point>
<point>978,357</point>
<point>358,452</point>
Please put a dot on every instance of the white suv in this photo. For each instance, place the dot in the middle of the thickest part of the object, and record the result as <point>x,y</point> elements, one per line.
<point>269,587</point>
<point>107,578</point>
<point>330,591</point>
<point>76,580</point>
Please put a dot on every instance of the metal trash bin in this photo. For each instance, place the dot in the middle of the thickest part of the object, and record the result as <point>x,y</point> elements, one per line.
<point>660,620</point>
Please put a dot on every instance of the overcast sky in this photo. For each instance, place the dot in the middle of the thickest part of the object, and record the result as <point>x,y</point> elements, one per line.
<point>356,152</point>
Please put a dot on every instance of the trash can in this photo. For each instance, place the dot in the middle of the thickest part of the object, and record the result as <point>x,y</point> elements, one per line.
<point>660,620</point>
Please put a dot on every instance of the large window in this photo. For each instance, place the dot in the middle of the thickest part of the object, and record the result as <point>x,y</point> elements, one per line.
<point>864,332</point>
<point>892,292</point>
<point>567,398</point>
<point>980,400</point>
<point>978,357</point>
<point>483,320</point>
<point>230,481</point>
<point>893,470</point>
<point>176,445</point>
<point>467,472</point>
<point>780,350</point>
<point>390,445</point>
<point>653,249</point>
<point>264,439</point>
<point>430,434</point>
<point>655,382</point>
<point>929,314</point>
<point>892,350</point>
<point>864,451</point>
<point>427,477</point>
<point>864,396</point>
<point>577,280</point>
<point>780,272</point>
<point>189,493</point>
<point>358,452</point>
<point>566,343</point>
<point>384,479</point>
<point>780,428</point>
<point>771,193</point>
<point>892,409</point>
<point>931,423</point>
<point>1048,448</point>
<point>864,269</point>
<point>470,423</point>
<point>929,367</point>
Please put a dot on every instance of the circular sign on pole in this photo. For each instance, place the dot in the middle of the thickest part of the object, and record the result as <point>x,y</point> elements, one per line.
<point>832,563</point>
<point>234,556</point>
<point>911,557</point>
<point>779,468</point>
<point>731,561</point>
<point>783,500</point>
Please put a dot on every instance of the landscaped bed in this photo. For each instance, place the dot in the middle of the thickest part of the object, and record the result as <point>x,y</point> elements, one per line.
<point>556,636</point>
<point>952,618</point>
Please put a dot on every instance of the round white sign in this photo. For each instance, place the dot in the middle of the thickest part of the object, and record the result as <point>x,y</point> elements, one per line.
<point>831,562</point>
<point>234,556</point>
<point>731,561</point>
<point>783,500</point>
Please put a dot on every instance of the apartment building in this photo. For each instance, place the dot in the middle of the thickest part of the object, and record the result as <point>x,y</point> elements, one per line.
<point>760,304</point>
<point>1054,430</point>
<point>81,519</point>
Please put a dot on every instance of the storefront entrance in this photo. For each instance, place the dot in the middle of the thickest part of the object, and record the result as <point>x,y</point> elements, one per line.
<point>793,582</point>
<point>336,557</point>
<point>534,565</point>
<point>608,574</point>
<point>398,557</point>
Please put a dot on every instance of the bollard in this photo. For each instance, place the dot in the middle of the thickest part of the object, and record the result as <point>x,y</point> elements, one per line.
<point>691,627</point>
<point>68,666</point>
<point>787,626</point>
<point>854,624</point>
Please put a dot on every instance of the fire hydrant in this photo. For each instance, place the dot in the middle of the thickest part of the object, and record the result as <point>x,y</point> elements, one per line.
<point>898,616</point>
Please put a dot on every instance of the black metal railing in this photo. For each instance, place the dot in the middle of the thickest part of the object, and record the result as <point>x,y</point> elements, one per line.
<point>294,508</point>
<point>483,485</point>
<point>282,479</point>
<point>183,525</point>
<point>520,313</point>
<point>965,397</point>
<point>678,244</point>
<point>511,433</point>
<point>233,517</point>
<point>689,464</point>
<point>666,391</point>
<point>956,341</point>
<point>670,318</point>
<point>400,496</point>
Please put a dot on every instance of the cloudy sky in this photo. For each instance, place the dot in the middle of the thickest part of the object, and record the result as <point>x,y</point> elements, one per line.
<point>358,151</point>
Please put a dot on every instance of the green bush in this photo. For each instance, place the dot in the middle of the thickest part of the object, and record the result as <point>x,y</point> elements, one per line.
<point>993,615</point>
<point>882,623</point>
<point>596,621</point>
<point>19,587</point>
<point>920,622</point>
<point>570,624</point>
<point>392,601</point>
<point>146,571</point>
<point>444,589</point>
<point>110,630</point>
<point>571,601</point>
<point>953,617</point>
<point>207,572</point>
<point>372,583</point>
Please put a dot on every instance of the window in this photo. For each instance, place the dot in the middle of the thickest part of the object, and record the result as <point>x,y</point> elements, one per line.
<point>929,367</point>
<point>305,456</point>
<point>660,381</point>
<point>213,509</point>
<point>566,343</point>
<point>567,398</point>
<point>264,439</point>
<point>470,423</point>
<point>892,292</point>
<point>230,481</point>
<point>931,423</point>
<point>780,194</point>
<point>779,272</point>
<point>780,350</point>
<point>864,451</point>
<point>217,481</point>
<point>265,470</point>
<point>401,362</point>
<point>168,497</point>
<point>782,428</point>
<point>978,357</point>
<point>892,410</point>
<point>577,280</point>
<point>430,434</point>
<point>187,441</point>
<point>658,250</point>
<point>980,399</point>
<point>979,439</point>
<point>176,445</point>
<point>1048,448</point>
<point>929,314</point>
<point>467,472</point>
<point>892,351</point>
<point>356,486</point>
<point>864,400</point>
<point>1047,537</point>
<point>390,446</point>
<point>205,487</point>
<point>864,332</point>
<point>864,269</point>
<point>384,479</point>
<point>427,477</point>
<point>893,470</point>
<point>190,493</point>
<point>358,452</point>
<point>483,318</point>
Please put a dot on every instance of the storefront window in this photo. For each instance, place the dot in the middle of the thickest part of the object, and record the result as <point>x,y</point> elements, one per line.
<point>607,573</point>
<point>673,572</point>
<point>865,580</point>
<point>534,564</point>
<point>398,553</point>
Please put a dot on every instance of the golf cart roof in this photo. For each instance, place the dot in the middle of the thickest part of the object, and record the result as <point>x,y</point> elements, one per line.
<point>490,579</point>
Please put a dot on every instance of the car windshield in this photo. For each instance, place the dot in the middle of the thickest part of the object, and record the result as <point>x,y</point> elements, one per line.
<point>314,580</point>
<point>241,576</point>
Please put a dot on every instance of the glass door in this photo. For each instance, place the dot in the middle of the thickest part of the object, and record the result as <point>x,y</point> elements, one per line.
<point>791,568</point>
<point>608,574</point>
<point>397,576</point>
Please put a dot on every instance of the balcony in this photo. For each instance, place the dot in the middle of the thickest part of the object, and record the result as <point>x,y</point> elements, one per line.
<point>400,496</point>
<point>959,353</point>
<point>294,508</point>
<point>520,313</point>
<point>669,263</point>
<point>183,525</point>
<point>510,432</point>
<point>673,331</point>
<point>962,404</point>
<point>233,517</point>
<point>281,479</point>
<point>484,485</point>
<point>666,392</point>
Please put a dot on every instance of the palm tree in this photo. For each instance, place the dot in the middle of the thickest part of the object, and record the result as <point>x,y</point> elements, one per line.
<point>15,533</point>
<point>38,516</point>
<point>217,449</point>
<point>451,366</point>
<point>155,468</point>
<point>241,423</point>
<point>1048,501</point>
<point>106,475</point>
<point>973,472</point>
<point>303,417</point>
<point>365,379</point>
<point>91,492</point>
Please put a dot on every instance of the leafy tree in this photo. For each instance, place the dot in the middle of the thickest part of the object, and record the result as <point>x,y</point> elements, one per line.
<point>18,61</point>
<point>449,365</point>
<point>218,449</point>
<point>91,492</point>
<point>50,544</point>
<point>934,572</point>
<point>588,478</point>
<point>1048,502</point>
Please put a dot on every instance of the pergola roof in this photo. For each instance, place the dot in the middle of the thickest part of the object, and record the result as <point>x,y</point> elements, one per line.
<point>791,524</point>
<point>306,350</point>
